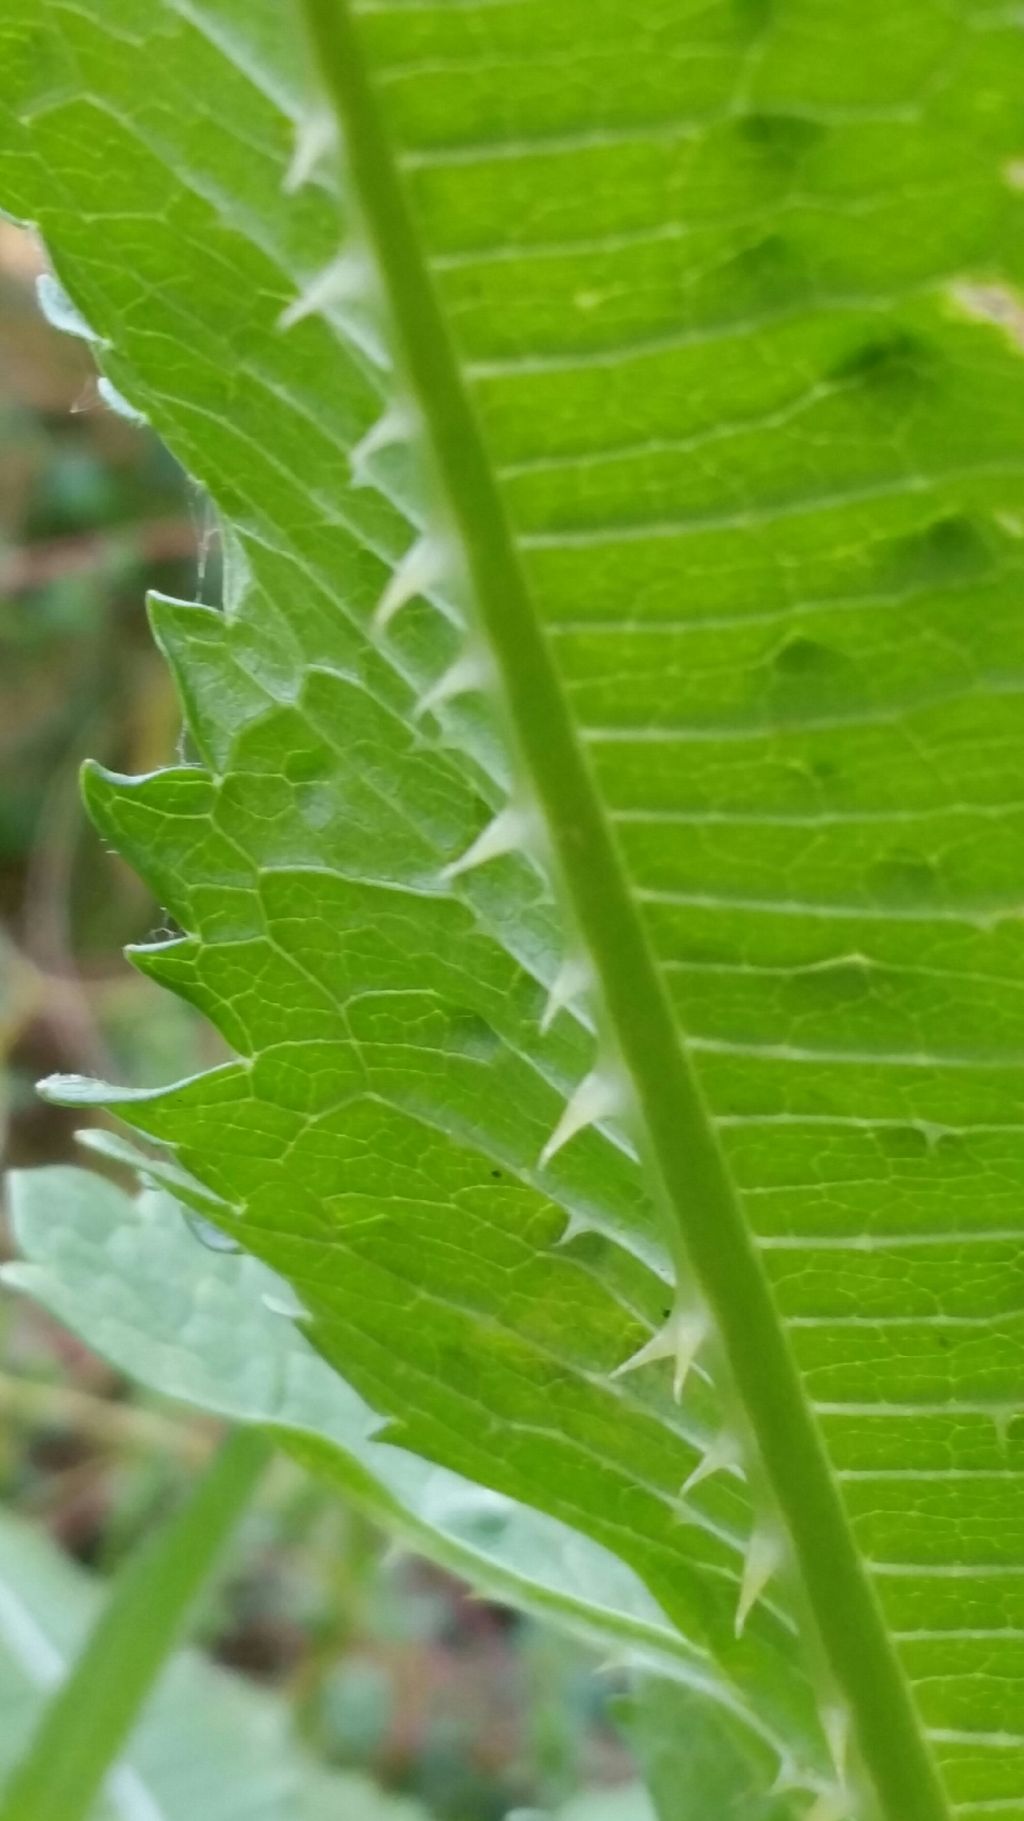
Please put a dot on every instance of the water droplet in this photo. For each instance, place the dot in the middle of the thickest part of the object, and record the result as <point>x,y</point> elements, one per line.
<point>213,1238</point>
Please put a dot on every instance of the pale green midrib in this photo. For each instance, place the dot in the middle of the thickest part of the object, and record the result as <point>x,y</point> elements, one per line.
<point>718,1245</point>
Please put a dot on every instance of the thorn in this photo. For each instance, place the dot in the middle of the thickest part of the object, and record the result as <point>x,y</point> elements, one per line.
<point>835,1721</point>
<point>419,569</point>
<point>346,277</point>
<point>573,978</point>
<point>680,1340</point>
<point>763,1559</point>
<point>720,1454</point>
<point>575,1225</point>
<point>471,672</point>
<point>511,828</point>
<point>597,1097</point>
<point>394,425</point>
<point>316,134</point>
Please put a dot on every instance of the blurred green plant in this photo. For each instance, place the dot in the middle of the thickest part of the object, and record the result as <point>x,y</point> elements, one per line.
<point>209,1746</point>
<point>95,1706</point>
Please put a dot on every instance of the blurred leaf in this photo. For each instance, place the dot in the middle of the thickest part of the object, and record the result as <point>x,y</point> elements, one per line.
<point>209,1747</point>
<point>94,1707</point>
<point>132,1279</point>
<point>700,1762</point>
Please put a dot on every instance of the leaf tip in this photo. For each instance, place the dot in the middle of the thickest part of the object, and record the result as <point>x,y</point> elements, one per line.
<point>75,1091</point>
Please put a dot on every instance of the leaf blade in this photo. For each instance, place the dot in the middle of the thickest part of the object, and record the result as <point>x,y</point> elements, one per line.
<point>709,1226</point>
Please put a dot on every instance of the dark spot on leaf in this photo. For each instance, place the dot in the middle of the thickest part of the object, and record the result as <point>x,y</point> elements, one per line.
<point>904,878</point>
<point>895,364</point>
<point>783,139</point>
<point>902,1141</point>
<point>496,1174</point>
<point>808,677</point>
<point>803,657</point>
<point>942,1340</point>
<point>768,273</point>
<point>950,549</point>
<point>822,771</point>
<point>753,16</point>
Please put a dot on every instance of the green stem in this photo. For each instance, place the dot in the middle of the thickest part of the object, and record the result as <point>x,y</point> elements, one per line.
<point>87,1722</point>
<point>707,1214</point>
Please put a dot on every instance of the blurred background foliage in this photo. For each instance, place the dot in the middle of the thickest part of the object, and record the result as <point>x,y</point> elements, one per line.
<point>388,1665</point>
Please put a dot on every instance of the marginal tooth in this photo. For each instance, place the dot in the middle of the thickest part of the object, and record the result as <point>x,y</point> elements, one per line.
<point>763,1559</point>
<point>573,978</point>
<point>471,672</point>
<point>395,425</point>
<point>680,1340</point>
<point>316,134</point>
<point>721,1454</point>
<point>835,1722</point>
<point>420,569</point>
<point>512,828</point>
<point>345,278</point>
<point>598,1096</point>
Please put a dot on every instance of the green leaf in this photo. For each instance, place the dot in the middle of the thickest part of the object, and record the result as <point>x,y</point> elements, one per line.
<point>93,1709</point>
<point>698,1762</point>
<point>120,1272</point>
<point>721,401</point>
<point>239,1762</point>
<point>204,1326</point>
